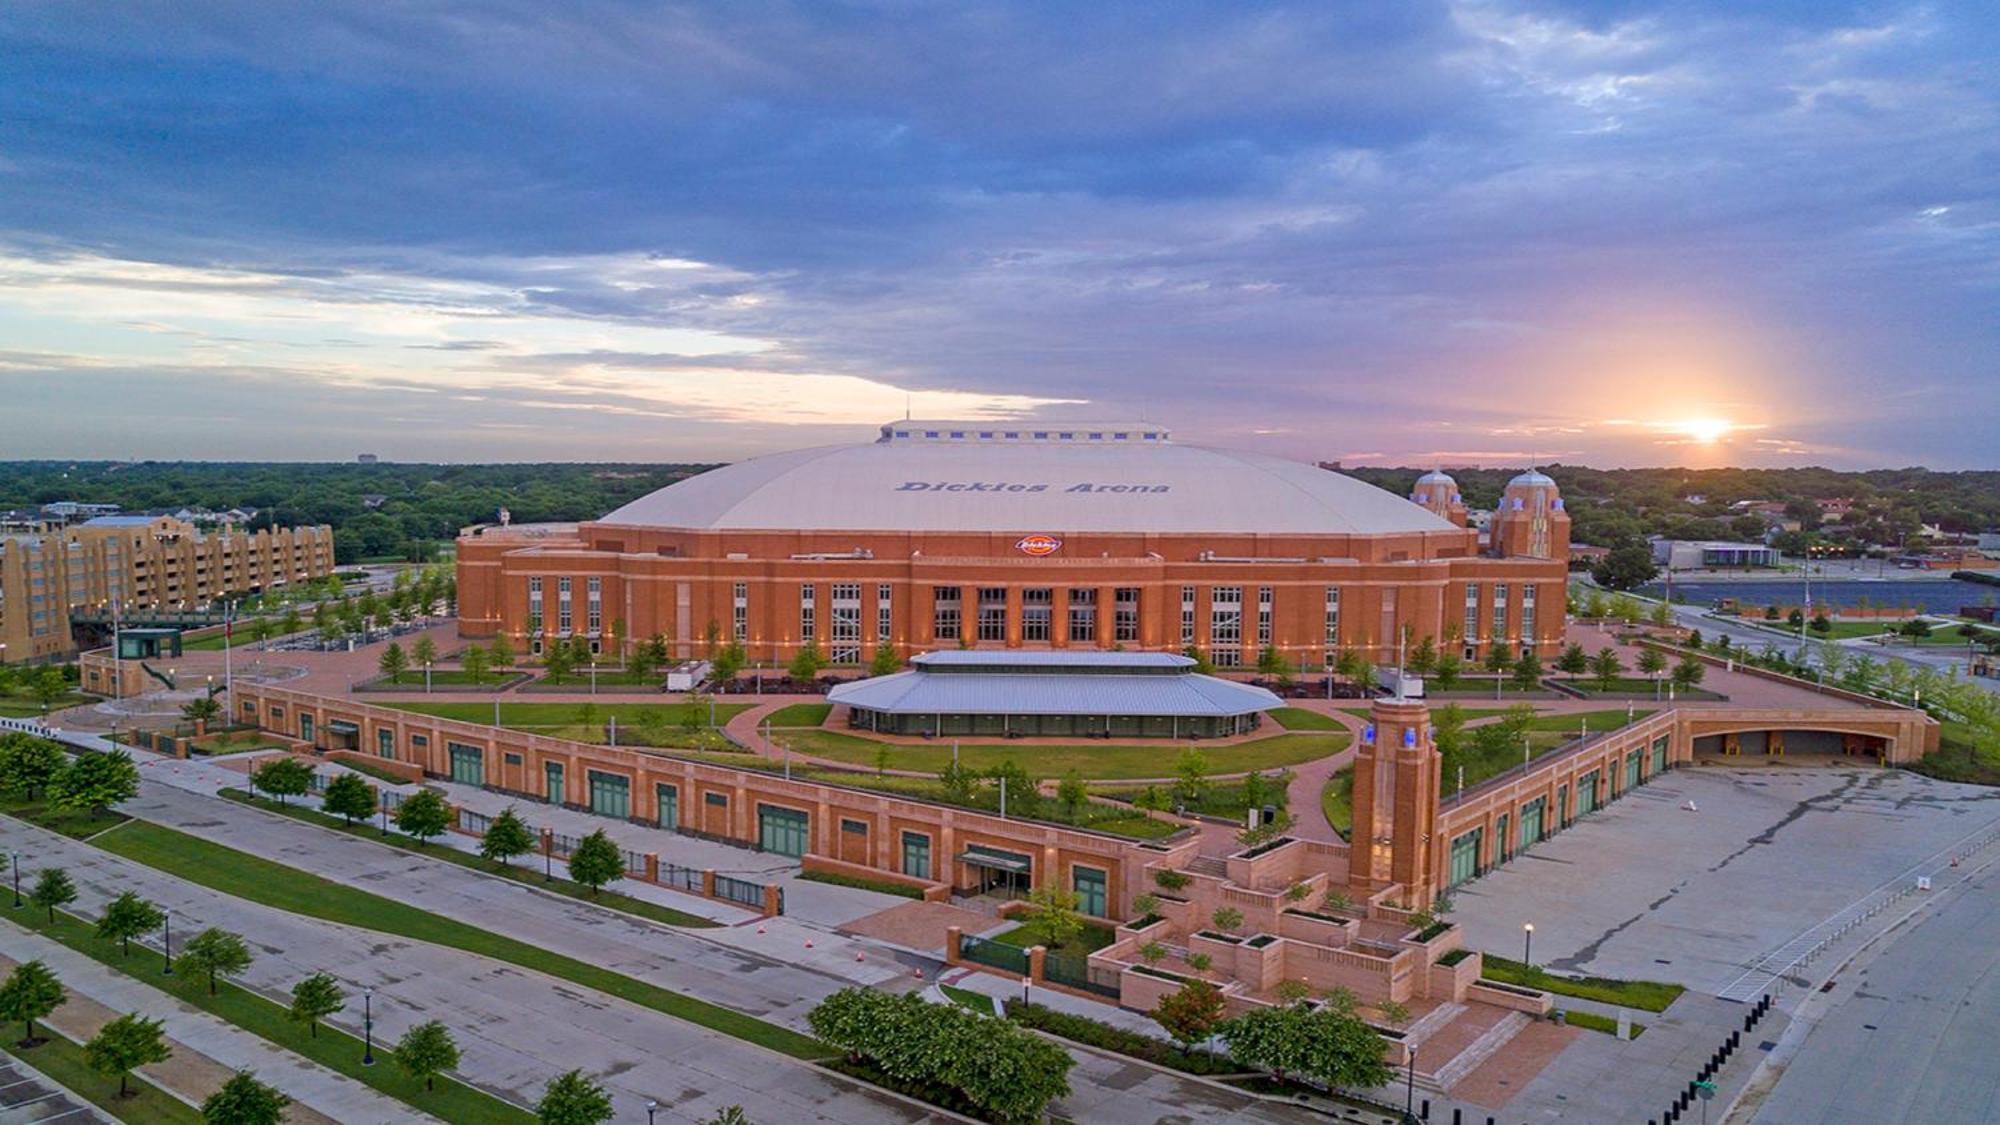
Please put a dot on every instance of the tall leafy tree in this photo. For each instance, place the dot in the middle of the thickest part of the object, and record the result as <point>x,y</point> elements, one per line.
<point>97,781</point>
<point>596,861</point>
<point>1528,670</point>
<point>282,776</point>
<point>393,662</point>
<point>425,651</point>
<point>126,917</point>
<point>423,815</point>
<point>125,1043</point>
<point>31,992</point>
<point>214,953</point>
<point>501,651</point>
<point>315,998</point>
<point>572,1099</point>
<point>1191,1014</point>
<point>474,661</point>
<point>507,836</point>
<point>28,765</point>
<point>1574,661</point>
<point>1607,667</point>
<point>242,1100</point>
<point>886,661</point>
<point>426,1051</point>
<point>349,796</point>
<point>1052,911</point>
<point>52,889</point>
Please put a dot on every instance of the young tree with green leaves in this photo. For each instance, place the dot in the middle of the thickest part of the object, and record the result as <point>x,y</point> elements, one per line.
<point>1072,795</point>
<point>475,661</point>
<point>507,836</point>
<point>572,1099</point>
<point>1202,665</point>
<point>1689,671</point>
<point>349,796</point>
<point>806,663</point>
<point>126,917</point>
<point>1447,671</point>
<point>1652,662</point>
<point>1330,1046</point>
<point>1228,919</point>
<point>31,992</point>
<point>424,652</point>
<point>128,1042</point>
<point>886,661</point>
<point>1499,657</point>
<point>96,781</point>
<point>1024,793</point>
<point>201,710</point>
<point>557,662</point>
<point>596,861</point>
<point>422,815</point>
<point>315,998</point>
<point>282,776</point>
<point>728,1115</point>
<point>1528,670</point>
<point>1190,776</point>
<point>242,1100</point>
<point>729,661</point>
<point>1422,659</point>
<point>52,889</point>
<point>1191,1014</point>
<point>959,782</point>
<point>29,765</point>
<point>426,1051</point>
<point>1052,911</point>
<point>1574,661</point>
<point>1607,667</point>
<point>214,953</point>
<point>500,652</point>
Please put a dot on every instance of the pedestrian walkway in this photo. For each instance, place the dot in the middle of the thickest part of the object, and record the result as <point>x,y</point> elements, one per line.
<point>206,1049</point>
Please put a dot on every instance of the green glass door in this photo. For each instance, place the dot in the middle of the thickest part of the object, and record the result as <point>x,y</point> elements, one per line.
<point>1531,823</point>
<point>1089,884</point>
<point>305,728</point>
<point>1500,827</point>
<point>1464,857</point>
<point>668,798</point>
<point>781,830</point>
<point>385,744</point>
<point>917,855</point>
<point>1586,794</point>
<point>468,764</point>
<point>552,782</point>
<point>1632,770</point>
<point>610,795</point>
<point>1660,754</point>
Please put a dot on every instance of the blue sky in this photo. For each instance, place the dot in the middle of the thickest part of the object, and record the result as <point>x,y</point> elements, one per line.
<point>1477,232</point>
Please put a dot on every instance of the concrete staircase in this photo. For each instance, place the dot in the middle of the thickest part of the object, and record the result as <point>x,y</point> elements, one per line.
<point>1208,865</point>
<point>1432,1021</point>
<point>1479,1050</point>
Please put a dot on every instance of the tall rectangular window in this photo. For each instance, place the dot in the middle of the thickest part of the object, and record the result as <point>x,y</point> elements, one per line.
<point>1225,625</point>
<point>1125,614</point>
<point>1037,606</point>
<point>1527,616</point>
<point>1082,616</point>
<point>1187,615</point>
<point>594,595</point>
<point>739,611</point>
<point>565,619</point>
<point>1499,612</point>
<point>945,613</point>
<point>808,616</point>
<point>1263,615</point>
<point>846,640</point>
<point>1471,613</point>
<point>992,613</point>
<point>1332,617</point>
<point>885,602</point>
<point>917,855</point>
<point>535,605</point>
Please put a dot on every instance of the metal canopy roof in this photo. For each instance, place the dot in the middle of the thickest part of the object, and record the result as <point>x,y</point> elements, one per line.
<point>1017,693</point>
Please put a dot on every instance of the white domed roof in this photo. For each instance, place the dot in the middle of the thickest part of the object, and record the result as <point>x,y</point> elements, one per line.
<point>1091,480</point>
<point>1531,478</point>
<point>1436,476</point>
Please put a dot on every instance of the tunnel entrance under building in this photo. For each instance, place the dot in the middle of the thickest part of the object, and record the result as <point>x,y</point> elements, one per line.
<point>1791,743</point>
<point>994,871</point>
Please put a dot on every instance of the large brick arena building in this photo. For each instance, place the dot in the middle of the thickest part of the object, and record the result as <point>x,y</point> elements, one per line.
<point>1032,535</point>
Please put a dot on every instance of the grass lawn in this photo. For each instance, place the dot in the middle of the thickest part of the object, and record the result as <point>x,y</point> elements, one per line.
<point>1298,718</point>
<point>1649,995</point>
<point>75,825</point>
<point>1595,1022</point>
<point>1095,816</point>
<point>62,1062</point>
<point>240,639</point>
<point>1545,733</point>
<point>1961,757</point>
<point>374,771</point>
<point>441,677</point>
<point>1470,713</point>
<point>235,742</point>
<point>273,884</point>
<point>451,1101</point>
<point>1095,762</point>
<point>1218,798</point>
<point>540,716</point>
<point>1089,940</point>
<point>977,1001</point>
<point>799,715</point>
<point>525,869</point>
<point>18,705</point>
<point>1336,800</point>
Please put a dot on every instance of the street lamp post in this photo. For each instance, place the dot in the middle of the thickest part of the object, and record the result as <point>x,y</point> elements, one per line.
<point>1410,1089</point>
<point>1528,944</point>
<point>651,1106</point>
<point>427,677</point>
<point>167,946</point>
<point>15,863</point>
<point>368,1027</point>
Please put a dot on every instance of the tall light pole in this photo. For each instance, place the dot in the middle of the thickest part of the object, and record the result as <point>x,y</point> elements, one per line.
<point>1410,1090</point>
<point>368,1026</point>
<point>1528,944</point>
<point>167,946</point>
<point>15,863</point>
<point>427,677</point>
<point>651,1106</point>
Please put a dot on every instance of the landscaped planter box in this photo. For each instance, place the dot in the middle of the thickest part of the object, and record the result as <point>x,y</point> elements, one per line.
<point>579,684</point>
<point>1452,975</point>
<point>1271,863</point>
<point>1530,1000</point>
<point>500,681</point>
<point>1138,927</point>
<point>1319,929</point>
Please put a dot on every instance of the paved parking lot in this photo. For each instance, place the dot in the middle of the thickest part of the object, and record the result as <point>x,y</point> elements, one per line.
<point>1648,889</point>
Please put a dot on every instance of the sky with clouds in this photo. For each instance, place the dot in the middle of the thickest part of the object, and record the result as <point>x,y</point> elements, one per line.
<point>1486,231</point>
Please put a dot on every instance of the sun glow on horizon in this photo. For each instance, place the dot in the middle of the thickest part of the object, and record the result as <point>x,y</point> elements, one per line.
<point>1706,431</point>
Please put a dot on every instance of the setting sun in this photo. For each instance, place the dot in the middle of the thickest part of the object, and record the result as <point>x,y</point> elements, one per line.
<point>1705,430</point>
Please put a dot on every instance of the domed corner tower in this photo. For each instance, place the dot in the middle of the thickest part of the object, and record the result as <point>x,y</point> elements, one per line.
<point>1437,493</point>
<point>1530,522</point>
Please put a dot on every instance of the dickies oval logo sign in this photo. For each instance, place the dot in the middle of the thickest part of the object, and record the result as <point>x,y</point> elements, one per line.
<point>1038,545</point>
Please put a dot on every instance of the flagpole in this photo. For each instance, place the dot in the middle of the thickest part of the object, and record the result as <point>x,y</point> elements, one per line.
<point>117,656</point>
<point>228,667</point>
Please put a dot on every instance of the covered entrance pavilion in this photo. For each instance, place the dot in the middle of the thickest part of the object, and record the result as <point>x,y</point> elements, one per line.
<point>1054,694</point>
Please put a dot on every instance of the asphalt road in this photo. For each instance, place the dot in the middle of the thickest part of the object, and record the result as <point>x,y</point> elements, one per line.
<point>1911,1037</point>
